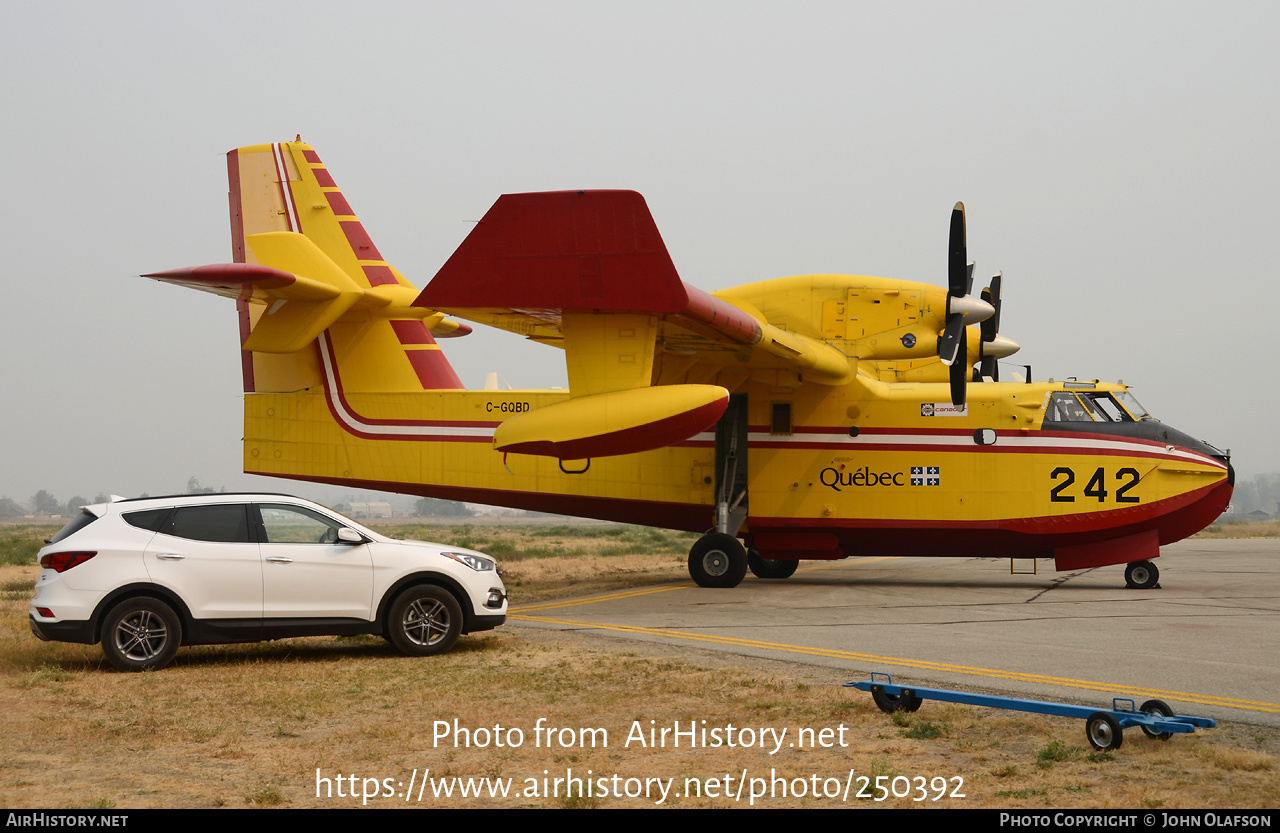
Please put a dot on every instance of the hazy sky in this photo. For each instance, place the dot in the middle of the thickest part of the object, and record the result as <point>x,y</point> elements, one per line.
<point>1118,160</point>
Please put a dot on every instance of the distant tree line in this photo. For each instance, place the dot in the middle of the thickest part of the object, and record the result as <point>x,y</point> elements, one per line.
<point>1261,492</point>
<point>44,503</point>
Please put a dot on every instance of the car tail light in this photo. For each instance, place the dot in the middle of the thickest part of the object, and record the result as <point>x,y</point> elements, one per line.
<point>62,561</point>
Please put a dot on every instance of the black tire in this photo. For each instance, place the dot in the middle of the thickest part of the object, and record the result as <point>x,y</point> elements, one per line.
<point>1103,731</point>
<point>141,634</point>
<point>1141,575</point>
<point>890,703</point>
<point>424,620</point>
<point>768,568</point>
<point>717,560</point>
<point>1161,708</point>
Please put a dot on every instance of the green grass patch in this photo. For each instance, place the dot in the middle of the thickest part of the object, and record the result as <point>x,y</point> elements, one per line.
<point>1056,752</point>
<point>19,543</point>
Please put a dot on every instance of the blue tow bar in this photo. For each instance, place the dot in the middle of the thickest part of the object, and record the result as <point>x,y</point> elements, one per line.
<point>1104,727</point>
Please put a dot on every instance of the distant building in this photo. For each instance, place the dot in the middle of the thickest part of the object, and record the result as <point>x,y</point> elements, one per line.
<point>371,510</point>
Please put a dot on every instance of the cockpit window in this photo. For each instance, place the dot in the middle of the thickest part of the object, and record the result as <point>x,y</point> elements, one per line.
<point>1131,404</point>
<point>1106,407</point>
<point>1065,407</point>
<point>1096,406</point>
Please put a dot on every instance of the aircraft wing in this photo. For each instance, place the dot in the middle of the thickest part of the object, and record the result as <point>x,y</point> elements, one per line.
<point>544,265</point>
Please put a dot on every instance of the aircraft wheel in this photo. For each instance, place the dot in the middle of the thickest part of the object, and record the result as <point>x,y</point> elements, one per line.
<point>762,567</point>
<point>890,703</point>
<point>1161,708</point>
<point>1104,731</point>
<point>1142,575</point>
<point>717,560</point>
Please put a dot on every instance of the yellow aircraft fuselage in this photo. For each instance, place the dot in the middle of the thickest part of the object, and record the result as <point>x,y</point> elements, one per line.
<point>839,435</point>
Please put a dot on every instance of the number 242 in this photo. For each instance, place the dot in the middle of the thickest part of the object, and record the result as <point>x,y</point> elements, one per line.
<point>1096,486</point>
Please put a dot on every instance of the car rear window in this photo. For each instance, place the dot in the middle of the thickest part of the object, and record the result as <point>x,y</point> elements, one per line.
<point>73,526</point>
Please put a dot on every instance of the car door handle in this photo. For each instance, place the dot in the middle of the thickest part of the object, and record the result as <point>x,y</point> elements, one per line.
<point>278,559</point>
<point>170,556</point>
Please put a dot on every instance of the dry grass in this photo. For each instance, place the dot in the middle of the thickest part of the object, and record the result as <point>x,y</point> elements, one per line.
<point>1266,529</point>
<point>249,725</point>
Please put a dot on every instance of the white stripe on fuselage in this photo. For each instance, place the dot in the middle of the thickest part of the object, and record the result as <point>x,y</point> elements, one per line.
<point>832,441</point>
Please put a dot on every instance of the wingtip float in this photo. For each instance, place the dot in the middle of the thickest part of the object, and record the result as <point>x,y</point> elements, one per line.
<point>808,417</point>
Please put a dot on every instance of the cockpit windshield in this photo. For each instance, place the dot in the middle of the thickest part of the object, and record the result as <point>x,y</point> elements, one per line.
<point>1129,401</point>
<point>1091,406</point>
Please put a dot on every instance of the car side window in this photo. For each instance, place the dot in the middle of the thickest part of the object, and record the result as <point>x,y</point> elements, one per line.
<point>295,525</point>
<point>148,519</point>
<point>220,523</point>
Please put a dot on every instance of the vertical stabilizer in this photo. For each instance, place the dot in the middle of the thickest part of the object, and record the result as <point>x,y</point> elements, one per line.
<point>279,194</point>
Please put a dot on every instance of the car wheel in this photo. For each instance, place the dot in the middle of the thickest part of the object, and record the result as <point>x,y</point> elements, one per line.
<point>141,634</point>
<point>424,620</point>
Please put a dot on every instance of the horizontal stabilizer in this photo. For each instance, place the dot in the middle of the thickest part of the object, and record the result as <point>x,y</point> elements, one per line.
<point>234,279</point>
<point>304,291</point>
<point>609,424</point>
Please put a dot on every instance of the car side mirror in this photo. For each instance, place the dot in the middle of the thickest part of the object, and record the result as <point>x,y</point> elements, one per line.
<point>347,535</point>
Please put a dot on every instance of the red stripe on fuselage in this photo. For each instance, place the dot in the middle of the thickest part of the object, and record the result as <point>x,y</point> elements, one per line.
<point>333,386</point>
<point>1174,518</point>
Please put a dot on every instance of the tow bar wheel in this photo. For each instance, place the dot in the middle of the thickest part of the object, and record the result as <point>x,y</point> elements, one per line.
<point>890,703</point>
<point>1161,709</point>
<point>1104,731</point>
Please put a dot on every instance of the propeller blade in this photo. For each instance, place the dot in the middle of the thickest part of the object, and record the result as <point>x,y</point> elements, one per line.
<point>990,368</point>
<point>960,374</point>
<point>949,344</point>
<point>988,326</point>
<point>957,254</point>
<point>996,280</point>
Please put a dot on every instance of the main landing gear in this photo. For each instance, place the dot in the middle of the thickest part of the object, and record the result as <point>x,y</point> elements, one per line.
<point>717,560</point>
<point>1142,575</point>
<point>767,567</point>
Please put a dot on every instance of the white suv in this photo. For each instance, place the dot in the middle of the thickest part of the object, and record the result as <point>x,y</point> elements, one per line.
<point>145,576</point>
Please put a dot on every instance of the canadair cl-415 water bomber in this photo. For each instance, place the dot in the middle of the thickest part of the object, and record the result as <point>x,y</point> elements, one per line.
<point>810,417</point>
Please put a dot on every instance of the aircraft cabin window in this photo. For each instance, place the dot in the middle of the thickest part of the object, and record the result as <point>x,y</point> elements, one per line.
<point>781,422</point>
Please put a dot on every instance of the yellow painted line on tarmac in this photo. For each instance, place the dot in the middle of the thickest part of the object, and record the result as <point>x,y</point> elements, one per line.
<point>609,597</point>
<point>646,591</point>
<point>994,673</point>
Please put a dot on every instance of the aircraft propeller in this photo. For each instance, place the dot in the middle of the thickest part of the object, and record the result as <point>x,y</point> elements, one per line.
<point>962,308</point>
<point>993,345</point>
